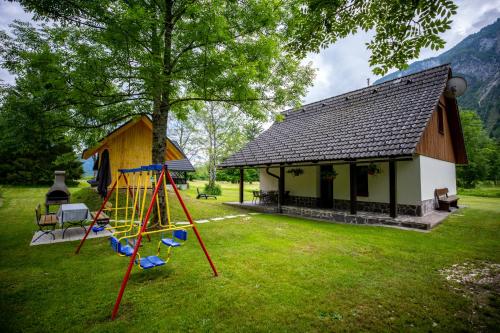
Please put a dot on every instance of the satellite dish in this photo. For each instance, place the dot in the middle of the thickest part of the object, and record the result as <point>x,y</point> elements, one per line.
<point>456,86</point>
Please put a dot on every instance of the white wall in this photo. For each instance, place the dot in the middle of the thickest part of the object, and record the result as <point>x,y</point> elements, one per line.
<point>416,181</point>
<point>305,185</point>
<point>436,174</point>
<point>267,182</point>
<point>407,181</point>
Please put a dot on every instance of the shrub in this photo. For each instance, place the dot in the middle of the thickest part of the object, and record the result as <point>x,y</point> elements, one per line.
<point>214,189</point>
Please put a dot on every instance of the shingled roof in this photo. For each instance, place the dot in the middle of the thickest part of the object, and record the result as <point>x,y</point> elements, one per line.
<point>180,165</point>
<point>383,120</point>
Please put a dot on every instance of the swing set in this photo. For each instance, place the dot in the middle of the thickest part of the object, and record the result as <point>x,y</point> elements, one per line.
<point>131,224</point>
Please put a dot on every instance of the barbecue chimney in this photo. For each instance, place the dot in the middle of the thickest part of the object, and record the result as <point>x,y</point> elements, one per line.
<point>58,193</point>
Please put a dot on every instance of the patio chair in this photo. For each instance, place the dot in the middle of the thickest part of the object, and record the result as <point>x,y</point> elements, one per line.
<point>256,196</point>
<point>45,221</point>
<point>102,220</point>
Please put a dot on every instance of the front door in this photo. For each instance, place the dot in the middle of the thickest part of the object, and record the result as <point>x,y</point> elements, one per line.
<point>326,186</point>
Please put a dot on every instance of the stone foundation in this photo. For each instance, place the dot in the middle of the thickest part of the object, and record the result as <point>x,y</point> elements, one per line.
<point>428,206</point>
<point>379,207</point>
<point>302,201</point>
<point>376,207</point>
<point>360,218</point>
<point>426,222</point>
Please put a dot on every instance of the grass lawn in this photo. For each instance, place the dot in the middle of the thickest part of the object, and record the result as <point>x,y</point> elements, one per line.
<point>481,191</point>
<point>276,274</point>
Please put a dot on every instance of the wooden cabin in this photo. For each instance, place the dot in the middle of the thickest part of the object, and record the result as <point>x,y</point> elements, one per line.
<point>130,145</point>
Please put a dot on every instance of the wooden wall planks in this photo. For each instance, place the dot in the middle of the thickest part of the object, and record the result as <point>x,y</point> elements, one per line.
<point>434,144</point>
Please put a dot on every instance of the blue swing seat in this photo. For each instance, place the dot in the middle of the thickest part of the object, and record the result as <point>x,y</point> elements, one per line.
<point>150,262</point>
<point>98,228</point>
<point>170,242</point>
<point>179,234</point>
<point>126,250</point>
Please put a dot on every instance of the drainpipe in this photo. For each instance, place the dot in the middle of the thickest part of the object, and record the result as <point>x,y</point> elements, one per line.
<point>279,194</point>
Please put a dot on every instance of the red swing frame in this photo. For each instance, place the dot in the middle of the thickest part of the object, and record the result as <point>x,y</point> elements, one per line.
<point>145,221</point>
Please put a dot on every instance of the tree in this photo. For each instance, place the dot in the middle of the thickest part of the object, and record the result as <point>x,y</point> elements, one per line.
<point>35,53</point>
<point>31,149</point>
<point>175,54</point>
<point>494,163</point>
<point>481,151</point>
<point>223,133</point>
<point>186,134</point>
<point>401,27</point>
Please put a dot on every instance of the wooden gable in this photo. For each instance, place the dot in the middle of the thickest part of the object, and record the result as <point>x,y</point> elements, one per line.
<point>442,138</point>
<point>133,140</point>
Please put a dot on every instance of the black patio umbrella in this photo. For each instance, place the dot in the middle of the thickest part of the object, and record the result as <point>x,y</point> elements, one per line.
<point>104,174</point>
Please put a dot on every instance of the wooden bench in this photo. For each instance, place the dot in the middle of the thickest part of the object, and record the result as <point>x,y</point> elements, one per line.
<point>204,195</point>
<point>444,200</point>
<point>102,220</point>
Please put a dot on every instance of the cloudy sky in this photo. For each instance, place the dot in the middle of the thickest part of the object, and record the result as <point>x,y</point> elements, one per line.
<point>343,66</point>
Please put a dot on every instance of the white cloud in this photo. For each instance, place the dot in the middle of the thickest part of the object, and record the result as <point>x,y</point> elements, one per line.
<point>10,11</point>
<point>341,67</point>
<point>344,66</point>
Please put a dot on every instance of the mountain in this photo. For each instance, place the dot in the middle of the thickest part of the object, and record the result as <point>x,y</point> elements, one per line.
<point>88,167</point>
<point>477,59</point>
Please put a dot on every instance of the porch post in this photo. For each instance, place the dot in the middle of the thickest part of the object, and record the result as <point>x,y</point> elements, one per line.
<point>281,189</point>
<point>392,189</point>
<point>353,187</point>
<point>241,185</point>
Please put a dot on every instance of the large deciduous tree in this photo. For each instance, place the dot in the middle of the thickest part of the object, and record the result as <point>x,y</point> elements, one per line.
<point>401,28</point>
<point>223,134</point>
<point>177,54</point>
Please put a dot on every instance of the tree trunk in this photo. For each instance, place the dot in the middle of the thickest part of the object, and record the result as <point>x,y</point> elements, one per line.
<point>212,151</point>
<point>212,172</point>
<point>161,105</point>
<point>159,134</point>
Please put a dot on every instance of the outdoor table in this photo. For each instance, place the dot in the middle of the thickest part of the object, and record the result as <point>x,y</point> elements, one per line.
<point>73,214</point>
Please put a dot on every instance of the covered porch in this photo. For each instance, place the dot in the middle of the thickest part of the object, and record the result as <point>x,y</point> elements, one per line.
<point>314,185</point>
<point>399,193</point>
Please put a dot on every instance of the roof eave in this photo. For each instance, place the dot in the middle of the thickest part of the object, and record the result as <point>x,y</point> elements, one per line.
<point>318,162</point>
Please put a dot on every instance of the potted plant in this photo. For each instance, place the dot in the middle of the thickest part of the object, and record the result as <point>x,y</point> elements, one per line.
<point>373,169</point>
<point>329,175</point>
<point>296,172</point>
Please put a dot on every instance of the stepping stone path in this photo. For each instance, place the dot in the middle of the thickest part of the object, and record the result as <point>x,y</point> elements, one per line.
<point>77,233</point>
<point>214,219</point>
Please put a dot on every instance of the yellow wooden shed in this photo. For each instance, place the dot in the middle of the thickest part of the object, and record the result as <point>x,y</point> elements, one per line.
<point>129,146</point>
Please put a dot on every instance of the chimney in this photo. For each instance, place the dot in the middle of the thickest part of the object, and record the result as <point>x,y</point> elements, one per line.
<point>368,82</point>
<point>58,193</point>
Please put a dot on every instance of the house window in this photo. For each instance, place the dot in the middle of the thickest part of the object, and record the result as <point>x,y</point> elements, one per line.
<point>440,120</point>
<point>362,181</point>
